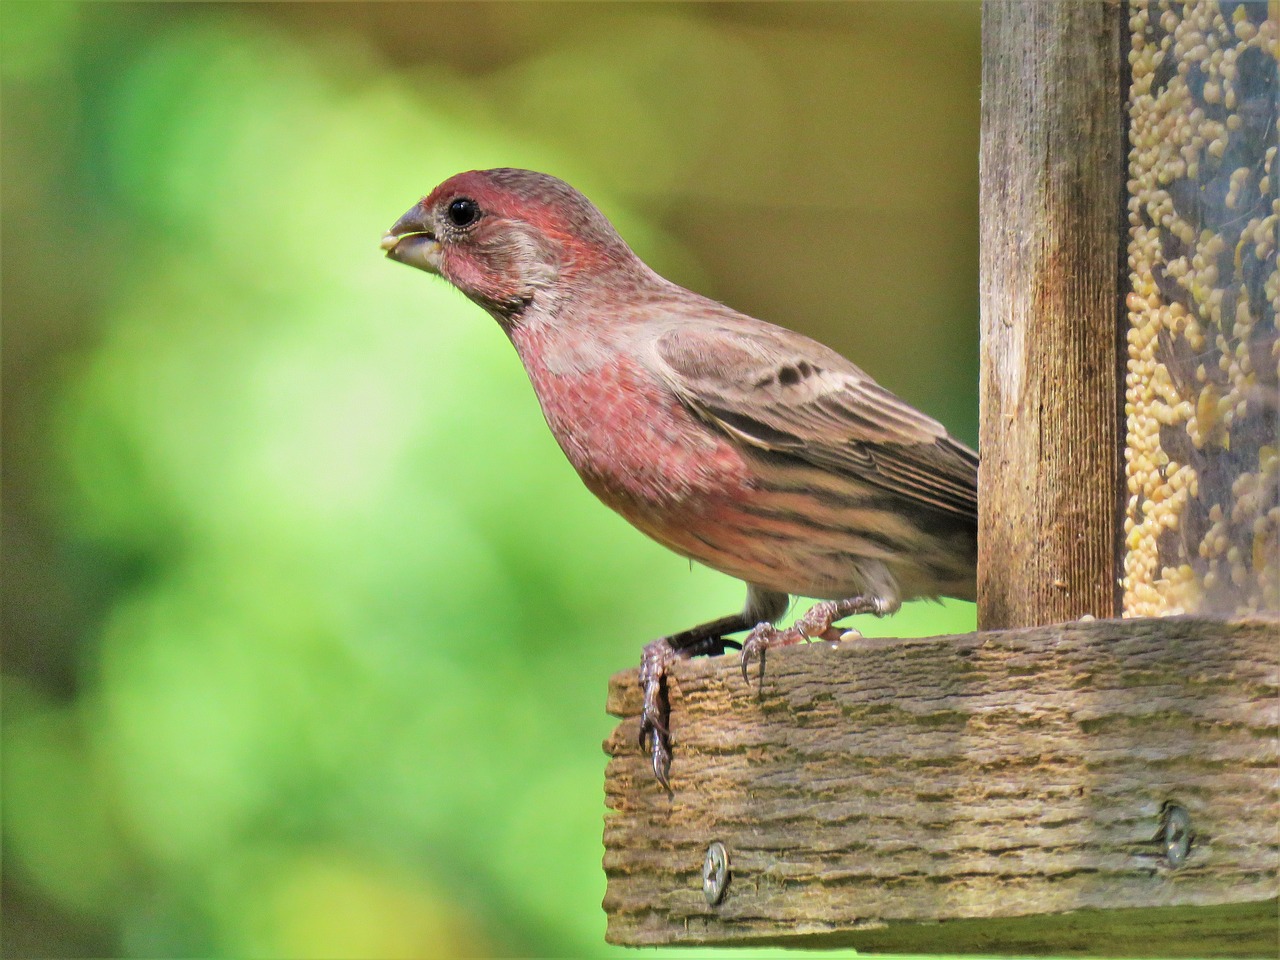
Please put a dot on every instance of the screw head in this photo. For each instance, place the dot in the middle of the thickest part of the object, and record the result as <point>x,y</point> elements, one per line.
<point>715,873</point>
<point>1175,835</point>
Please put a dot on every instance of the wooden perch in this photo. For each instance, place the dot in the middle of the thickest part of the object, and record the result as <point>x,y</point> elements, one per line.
<point>1009,791</point>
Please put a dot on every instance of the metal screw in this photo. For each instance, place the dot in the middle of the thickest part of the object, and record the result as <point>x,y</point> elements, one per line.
<point>715,873</point>
<point>1175,834</point>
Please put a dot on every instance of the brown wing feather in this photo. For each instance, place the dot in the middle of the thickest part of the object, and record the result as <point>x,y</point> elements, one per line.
<point>780,391</point>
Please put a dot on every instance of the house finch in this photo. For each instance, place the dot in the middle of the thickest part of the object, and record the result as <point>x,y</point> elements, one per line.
<point>734,442</point>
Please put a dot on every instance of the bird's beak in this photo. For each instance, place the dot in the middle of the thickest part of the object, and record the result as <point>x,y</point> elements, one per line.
<point>412,241</point>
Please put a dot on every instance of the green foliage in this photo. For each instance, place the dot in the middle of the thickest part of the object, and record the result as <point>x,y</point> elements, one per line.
<point>343,616</point>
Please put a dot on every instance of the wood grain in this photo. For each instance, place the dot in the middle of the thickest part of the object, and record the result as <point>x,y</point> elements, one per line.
<point>1008,783</point>
<point>1052,171</point>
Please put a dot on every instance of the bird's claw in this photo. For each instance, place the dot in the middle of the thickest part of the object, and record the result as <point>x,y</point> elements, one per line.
<point>654,735</point>
<point>818,623</point>
<point>755,645</point>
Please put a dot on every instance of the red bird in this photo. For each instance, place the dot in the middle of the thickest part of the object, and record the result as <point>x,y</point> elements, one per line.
<point>742,445</point>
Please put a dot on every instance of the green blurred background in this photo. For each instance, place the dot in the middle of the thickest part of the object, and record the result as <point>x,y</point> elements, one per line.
<point>307,622</point>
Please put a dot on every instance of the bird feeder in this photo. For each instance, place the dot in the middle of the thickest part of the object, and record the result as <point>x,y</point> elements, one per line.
<point>1095,770</point>
<point>1202,457</point>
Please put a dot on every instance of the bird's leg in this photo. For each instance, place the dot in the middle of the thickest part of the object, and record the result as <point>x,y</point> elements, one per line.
<point>817,624</point>
<point>707,638</point>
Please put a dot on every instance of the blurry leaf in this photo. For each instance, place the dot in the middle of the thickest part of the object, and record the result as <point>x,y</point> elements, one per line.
<point>324,903</point>
<point>37,37</point>
<point>57,808</point>
<point>650,100</point>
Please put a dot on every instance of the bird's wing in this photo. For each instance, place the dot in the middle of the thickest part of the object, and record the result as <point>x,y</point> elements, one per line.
<point>777,390</point>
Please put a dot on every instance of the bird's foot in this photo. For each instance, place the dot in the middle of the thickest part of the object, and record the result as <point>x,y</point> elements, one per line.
<point>654,737</point>
<point>817,624</point>
<point>656,713</point>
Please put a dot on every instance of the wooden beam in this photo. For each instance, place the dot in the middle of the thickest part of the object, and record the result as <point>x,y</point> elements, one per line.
<point>1052,171</point>
<point>995,792</point>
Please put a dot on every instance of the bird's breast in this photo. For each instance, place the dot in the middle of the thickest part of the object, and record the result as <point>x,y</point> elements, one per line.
<point>635,445</point>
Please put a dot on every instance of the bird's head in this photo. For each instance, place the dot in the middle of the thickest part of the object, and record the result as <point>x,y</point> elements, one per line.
<point>506,237</point>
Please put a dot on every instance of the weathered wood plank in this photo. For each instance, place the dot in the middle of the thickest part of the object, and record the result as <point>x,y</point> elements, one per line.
<point>1052,172</point>
<point>999,778</point>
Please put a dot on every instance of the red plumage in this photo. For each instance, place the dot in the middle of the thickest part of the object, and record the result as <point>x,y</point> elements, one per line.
<point>734,442</point>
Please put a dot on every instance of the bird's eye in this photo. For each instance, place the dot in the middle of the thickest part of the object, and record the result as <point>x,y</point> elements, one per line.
<point>463,212</point>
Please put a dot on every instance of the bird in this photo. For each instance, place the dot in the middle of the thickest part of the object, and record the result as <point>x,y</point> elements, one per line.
<point>739,444</point>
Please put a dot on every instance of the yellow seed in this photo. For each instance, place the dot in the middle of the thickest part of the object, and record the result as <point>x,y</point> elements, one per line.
<point>1262,552</point>
<point>1207,412</point>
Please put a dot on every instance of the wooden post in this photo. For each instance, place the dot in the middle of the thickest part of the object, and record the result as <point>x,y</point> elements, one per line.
<point>1052,174</point>
<point>1019,786</point>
